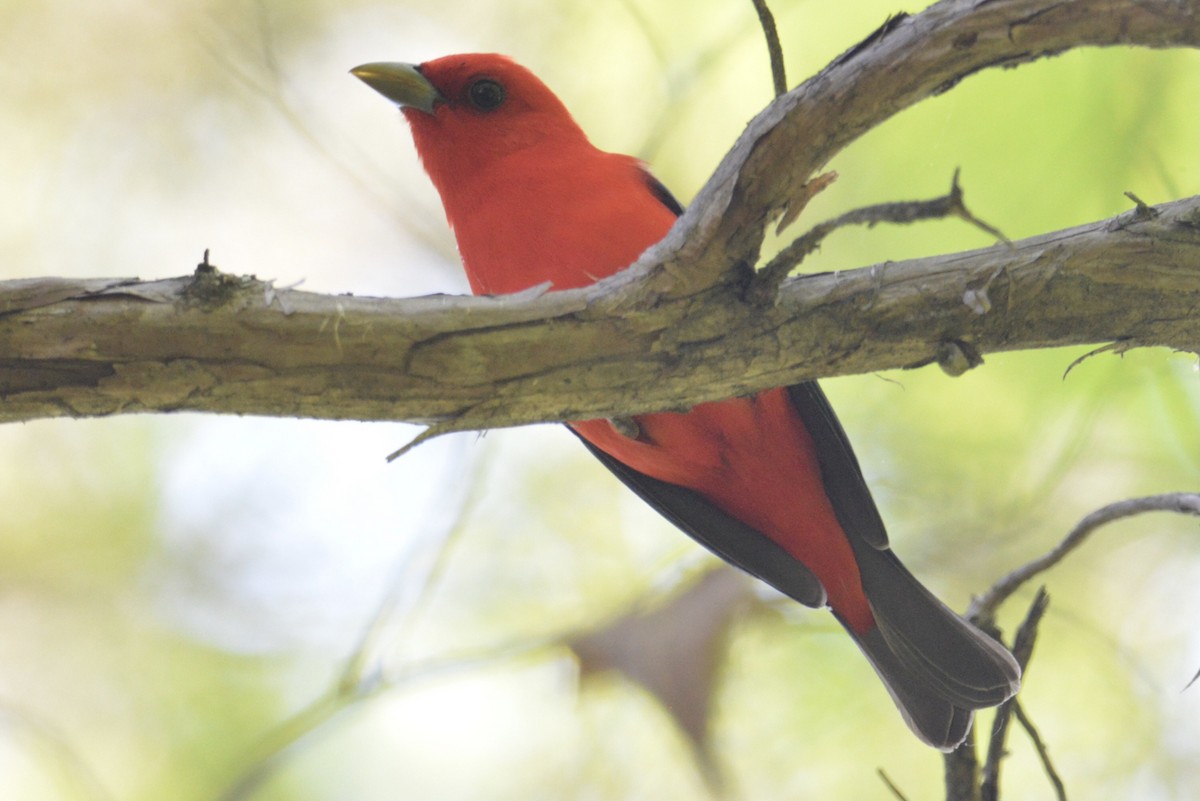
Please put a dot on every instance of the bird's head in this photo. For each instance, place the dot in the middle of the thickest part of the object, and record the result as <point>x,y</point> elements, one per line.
<point>469,111</point>
<point>529,198</point>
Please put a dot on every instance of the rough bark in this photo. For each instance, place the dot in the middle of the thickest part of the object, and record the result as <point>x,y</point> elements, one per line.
<point>676,329</point>
<point>217,343</point>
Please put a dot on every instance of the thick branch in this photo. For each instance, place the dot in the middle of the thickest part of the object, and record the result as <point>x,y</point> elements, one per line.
<point>217,344</point>
<point>674,330</point>
<point>905,61</point>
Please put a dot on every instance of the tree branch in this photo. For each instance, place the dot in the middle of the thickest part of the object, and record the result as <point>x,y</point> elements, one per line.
<point>961,767</point>
<point>1022,651</point>
<point>675,330</point>
<point>983,609</point>
<point>774,49</point>
<point>908,59</point>
<point>216,343</point>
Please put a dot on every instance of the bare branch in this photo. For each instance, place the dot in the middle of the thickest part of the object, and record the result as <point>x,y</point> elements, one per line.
<point>1060,789</point>
<point>676,329</point>
<point>769,278</point>
<point>906,60</point>
<point>983,609</point>
<point>960,771</point>
<point>767,20</point>
<point>1022,649</point>
<point>217,343</point>
<point>887,780</point>
<point>959,764</point>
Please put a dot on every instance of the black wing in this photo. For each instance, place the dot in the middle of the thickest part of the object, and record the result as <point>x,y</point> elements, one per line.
<point>844,483</point>
<point>726,536</point>
<point>663,194</point>
<point>730,538</point>
<point>748,548</point>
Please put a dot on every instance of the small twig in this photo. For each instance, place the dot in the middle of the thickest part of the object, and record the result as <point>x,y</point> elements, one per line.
<point>891,785</point>
<point>1141,210</point>
<point>1060,789</point>
<point>770,277</point>
<point>1026,637</point>
<point>989,786</point>
<point>1118,346</point>
<point>434,431</point>
<point>362,676</point>
<point>767,19</point>
<point>984,608</point>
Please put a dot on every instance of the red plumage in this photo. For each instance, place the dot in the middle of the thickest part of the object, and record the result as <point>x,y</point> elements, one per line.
<point>768,481</point>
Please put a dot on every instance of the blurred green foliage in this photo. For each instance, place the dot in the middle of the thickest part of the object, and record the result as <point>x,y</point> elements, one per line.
<point>136,134</point>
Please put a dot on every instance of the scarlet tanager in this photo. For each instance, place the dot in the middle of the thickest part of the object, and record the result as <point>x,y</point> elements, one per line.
<point>768,482</point>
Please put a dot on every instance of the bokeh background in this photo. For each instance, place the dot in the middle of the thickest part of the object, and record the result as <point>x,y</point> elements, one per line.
<point>181,598</point>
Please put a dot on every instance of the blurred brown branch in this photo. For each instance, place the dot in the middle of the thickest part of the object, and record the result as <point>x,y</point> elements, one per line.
<point>678,328</point>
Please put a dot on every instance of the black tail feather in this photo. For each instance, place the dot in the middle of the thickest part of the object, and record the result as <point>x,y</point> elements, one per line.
<point>931,717</point>
<point>938,667</point>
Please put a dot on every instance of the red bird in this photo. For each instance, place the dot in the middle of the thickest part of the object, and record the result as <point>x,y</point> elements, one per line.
<point>768,482</point>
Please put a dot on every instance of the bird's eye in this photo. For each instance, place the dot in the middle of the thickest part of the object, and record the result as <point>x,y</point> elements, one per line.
<point>485,94</point>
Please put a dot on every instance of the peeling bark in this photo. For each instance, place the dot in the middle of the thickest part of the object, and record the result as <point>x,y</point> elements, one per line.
<point>216,343</point>
<point>677,328</point>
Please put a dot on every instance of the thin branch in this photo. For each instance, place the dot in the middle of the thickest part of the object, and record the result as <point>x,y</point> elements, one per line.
<point>767,20</point>
<point>282,740</point>
<point>432,432</point>
<point>771,277</point>
<point>363,673</point>
<point>278,743</point>
<point>408,591</point>
<point>1043,752</point>
<point>1119,346</point>
<point>907,60</point>
<point>294,732</point>
<point>891,785</point>
<point>983,609</point>
<point>274,746</point>
<point>982,613</point>
<point>1022,650</point>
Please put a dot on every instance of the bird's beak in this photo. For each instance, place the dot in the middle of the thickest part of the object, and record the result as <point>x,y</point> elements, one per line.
<point>402,84</point>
